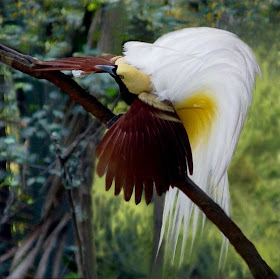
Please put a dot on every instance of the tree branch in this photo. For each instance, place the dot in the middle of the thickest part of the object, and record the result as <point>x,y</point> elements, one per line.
<point>24,63</point>
<point>244,247</point>
<point>258,267</point>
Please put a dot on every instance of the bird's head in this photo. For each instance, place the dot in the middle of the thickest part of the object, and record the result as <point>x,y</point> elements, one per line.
<point>132,78</point>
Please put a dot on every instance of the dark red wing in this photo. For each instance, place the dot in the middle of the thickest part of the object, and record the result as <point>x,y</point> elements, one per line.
<point>146,148</point>
<point>85,64</point>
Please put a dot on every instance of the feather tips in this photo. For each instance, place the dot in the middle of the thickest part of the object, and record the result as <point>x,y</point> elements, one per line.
<point>146,149</point>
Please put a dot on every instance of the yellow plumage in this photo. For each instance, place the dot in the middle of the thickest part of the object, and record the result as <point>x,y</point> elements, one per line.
<point>197,114</point>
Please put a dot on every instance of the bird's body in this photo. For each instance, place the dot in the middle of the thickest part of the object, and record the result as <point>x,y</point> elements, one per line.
<point>206,76</point>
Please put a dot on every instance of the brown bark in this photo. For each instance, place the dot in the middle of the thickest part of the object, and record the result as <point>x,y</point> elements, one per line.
<point>114,21</point>
<point>258,267</point>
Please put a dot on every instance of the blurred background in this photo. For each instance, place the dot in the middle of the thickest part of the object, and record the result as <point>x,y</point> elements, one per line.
<point>49,208</point>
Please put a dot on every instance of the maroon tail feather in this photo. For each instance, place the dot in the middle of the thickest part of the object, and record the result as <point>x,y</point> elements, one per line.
<point>85,64</point>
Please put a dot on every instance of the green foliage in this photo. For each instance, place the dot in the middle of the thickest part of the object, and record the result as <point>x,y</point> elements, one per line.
<point>123,235</point>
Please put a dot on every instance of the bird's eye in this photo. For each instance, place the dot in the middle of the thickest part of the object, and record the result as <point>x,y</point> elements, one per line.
<point>121,77</point>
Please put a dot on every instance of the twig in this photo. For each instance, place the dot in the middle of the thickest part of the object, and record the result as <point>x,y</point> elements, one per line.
<point>73,146</point>
<point>6,213</point>
<point>76,229</point>
<point>58,256</point>
<point>49,245</point>
<point>10,253</point>
<point>24,265</point>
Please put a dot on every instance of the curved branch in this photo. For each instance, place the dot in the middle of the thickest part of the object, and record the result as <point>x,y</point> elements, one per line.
<point>24,63</point>
<point>246,249</point>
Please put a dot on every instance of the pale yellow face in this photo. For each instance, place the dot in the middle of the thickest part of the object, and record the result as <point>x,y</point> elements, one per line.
<point>135,80</point>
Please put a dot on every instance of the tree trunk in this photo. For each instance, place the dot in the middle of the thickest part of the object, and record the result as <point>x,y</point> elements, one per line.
<point>114,22</point>
<point>5,227</point>
<point>158,255</point>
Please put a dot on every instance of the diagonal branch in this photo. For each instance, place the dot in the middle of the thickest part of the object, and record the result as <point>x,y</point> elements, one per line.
<point>258,267</point>
<point>244,247</point>
<point>24,63</point>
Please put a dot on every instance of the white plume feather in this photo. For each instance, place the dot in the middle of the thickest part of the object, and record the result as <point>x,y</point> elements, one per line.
<point>183,63</point>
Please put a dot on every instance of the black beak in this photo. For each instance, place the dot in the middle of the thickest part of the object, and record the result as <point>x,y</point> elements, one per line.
<point>128,97</point>
<point>109,69</point>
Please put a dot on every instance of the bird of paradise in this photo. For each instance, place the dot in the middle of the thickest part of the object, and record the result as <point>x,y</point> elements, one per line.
<point>189,93</point>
